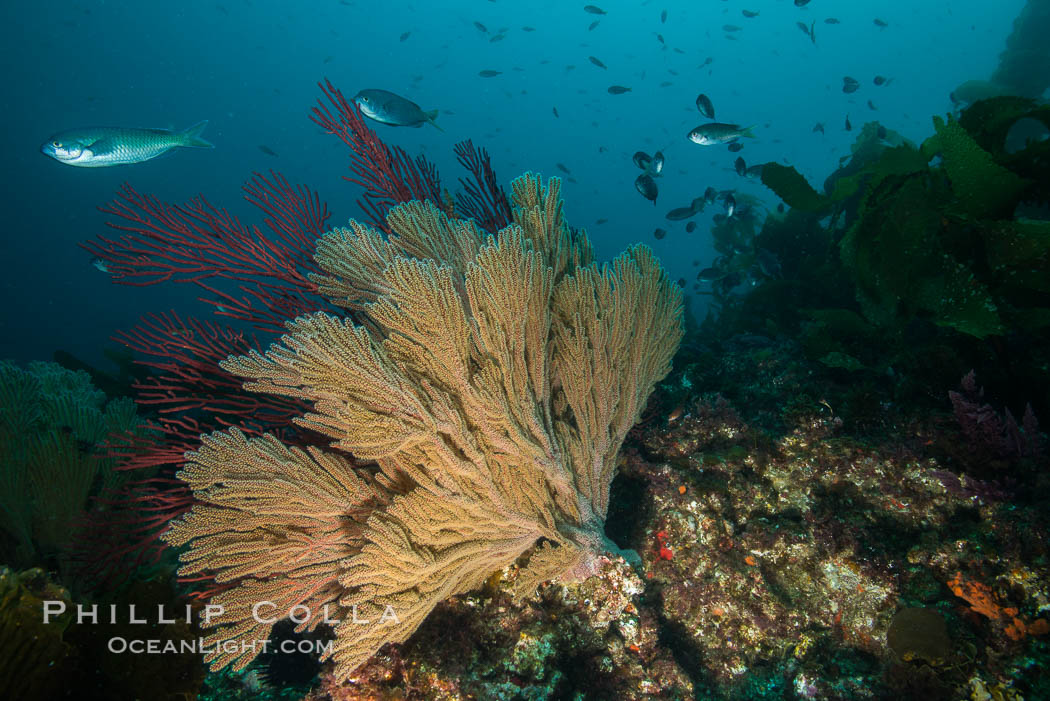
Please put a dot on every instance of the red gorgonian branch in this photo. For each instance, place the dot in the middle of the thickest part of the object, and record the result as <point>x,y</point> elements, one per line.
<point>122,532</point>
<point>388,174</point>
<point>189,394</point>
<point>184,357</point>
<point>485,199</point>
<point>200,244</point>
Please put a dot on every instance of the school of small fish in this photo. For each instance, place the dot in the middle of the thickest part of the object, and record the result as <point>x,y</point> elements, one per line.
<point>111,146</point>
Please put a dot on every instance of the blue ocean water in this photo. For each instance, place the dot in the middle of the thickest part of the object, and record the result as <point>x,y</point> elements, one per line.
<point>251,67</point>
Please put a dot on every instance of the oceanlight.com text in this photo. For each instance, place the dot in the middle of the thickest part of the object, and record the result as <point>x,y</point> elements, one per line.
<point>153,646</point>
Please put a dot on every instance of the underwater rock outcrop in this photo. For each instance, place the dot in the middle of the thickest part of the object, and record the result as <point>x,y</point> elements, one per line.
<point>1024,65</point>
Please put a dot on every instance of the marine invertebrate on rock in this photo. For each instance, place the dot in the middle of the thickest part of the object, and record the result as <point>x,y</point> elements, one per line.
<point>917,633</point>
<point>492,382</point>
<point>53,426</point>
<point>32,650</point>
<point>988,433</point>
<point>983,600</point>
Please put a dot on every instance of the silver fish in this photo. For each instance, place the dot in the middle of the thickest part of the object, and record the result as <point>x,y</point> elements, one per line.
<point>657,164</point>
<point>98,147</point>
<point>718,133</point>
<point>387,108</point>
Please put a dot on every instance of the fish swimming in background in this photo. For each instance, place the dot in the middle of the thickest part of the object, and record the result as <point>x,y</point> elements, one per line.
<point>705,106</point>
<point>730,205</point>
<point>98,147</point>
<point>646,186</point>
<point>267,150</point>
<point>596,62</point>
<point>593,9</point>
<point>656,165</point>
<point>100,265</point>
<point>680,213</point>
<point>387,108</point>
<point>808,31</point>
<point>711,274</point>
<point>489,73</point>
<point>618,90</point>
